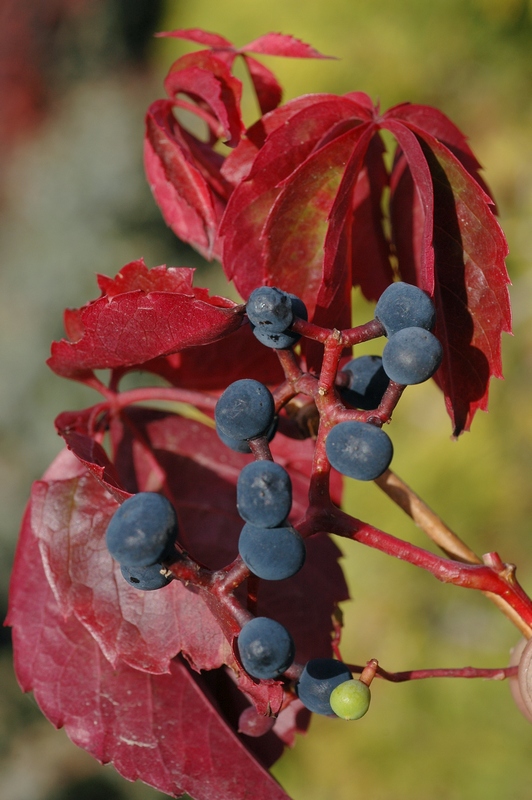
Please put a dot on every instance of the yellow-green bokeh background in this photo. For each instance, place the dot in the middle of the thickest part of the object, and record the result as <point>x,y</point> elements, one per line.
<point>445,739</point>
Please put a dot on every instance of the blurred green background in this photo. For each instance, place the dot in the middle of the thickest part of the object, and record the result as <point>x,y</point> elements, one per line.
<point>73,202</point>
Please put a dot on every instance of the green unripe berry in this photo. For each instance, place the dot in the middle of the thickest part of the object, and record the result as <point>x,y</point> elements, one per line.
<point>350,700</point>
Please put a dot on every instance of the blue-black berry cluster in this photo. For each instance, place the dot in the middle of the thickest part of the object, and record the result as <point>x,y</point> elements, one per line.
<point>319,677</point>
<point>268,545</point>
<point>271,312</point>
<point>327,687</point>
<point>412,353</point>
<point>142,533</point>
<point>140,536</point>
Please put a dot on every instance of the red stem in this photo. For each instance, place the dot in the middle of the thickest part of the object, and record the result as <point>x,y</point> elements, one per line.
<point>172,394</point>
<point>310,331</point>
<point>497,674</point>
<point>260,449</point>
<point>363,333</point>
<point>501,582</point>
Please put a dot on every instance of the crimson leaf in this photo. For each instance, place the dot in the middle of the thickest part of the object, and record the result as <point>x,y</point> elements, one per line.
<point>266,87</point>
<point>206,367</point>
<point>68,520</point>
<point>184,176</point>
<point>180,456</point>
<point>450,243</point>
<point>209,83</point>
<point>164,729</point>
<point>280,44</point>
<point>145,321</point>
<point>294,159</point>
<point>301,220</point>
<point>193,457</point>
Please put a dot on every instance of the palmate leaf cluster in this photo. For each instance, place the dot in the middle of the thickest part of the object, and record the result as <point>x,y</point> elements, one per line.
<point>295,201</point>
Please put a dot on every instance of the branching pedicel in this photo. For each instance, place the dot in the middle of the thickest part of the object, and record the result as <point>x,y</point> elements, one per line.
<point>164,554</point>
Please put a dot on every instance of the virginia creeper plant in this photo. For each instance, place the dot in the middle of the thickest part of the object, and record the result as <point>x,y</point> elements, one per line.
<point>304,200</point>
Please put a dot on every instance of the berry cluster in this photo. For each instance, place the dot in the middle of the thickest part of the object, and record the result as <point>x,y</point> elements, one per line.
<point>143,532</point>
<point>271,313</point>
<point>140,536</point>
<point>326,687</point>
<point>412,354</point>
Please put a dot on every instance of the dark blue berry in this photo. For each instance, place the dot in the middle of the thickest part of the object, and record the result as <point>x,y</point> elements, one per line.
<point>403,305</point>
<point>359,450</point>
<point>266,648</point>
<point>271,553</point>
<point>270,309</point>
<point>412,355</point>
<point>284,338</point>
<point>142,531</point>
<point>299,308</point>
<point>319,677</point>
<point>145,578</point>
<point>242,445</point>
<point>277,341</point>
<point>245,410</point>
<point>238,445</point>
<point>367,382</point>
<point>264,494</point>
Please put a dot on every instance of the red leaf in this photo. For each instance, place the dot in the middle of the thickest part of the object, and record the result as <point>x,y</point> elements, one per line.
<point>407,219</point>
<point>208,81</point>
<point>297,225</point>
<point>279,44</point>
<point>128,329</point>
<point>273,44</point>
<point>469,275</point>
<point>136,275</point>
<point>198,35</point>
<point>184,178</point>
<point>193,457</point>
<point>92,454</point>
<point>214,366</point>
<point>268,90</point>
<point>433,121</point>
<point>418,166</point>
<point>239,162</point>
<point>333,304</point>
<point>68,520</point>
<point>251,258</point>
<point>264,82</point>
<point>163,729</point>
<point>472,294</point>
<point>82,432</point>
<point>371,267</point>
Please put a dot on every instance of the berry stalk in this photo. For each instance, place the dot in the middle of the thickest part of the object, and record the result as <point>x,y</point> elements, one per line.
<point>446,539</point>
